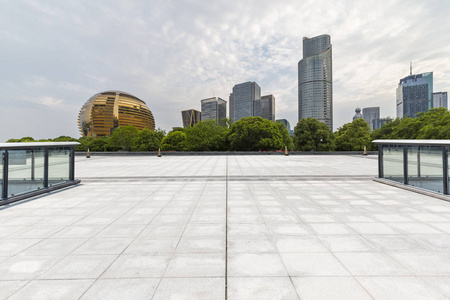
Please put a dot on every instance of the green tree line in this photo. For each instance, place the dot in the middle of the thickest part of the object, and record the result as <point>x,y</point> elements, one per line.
<point>257,134</point>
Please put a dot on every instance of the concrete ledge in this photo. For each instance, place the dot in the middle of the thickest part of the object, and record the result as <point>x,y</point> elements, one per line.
<point>204,153</point>
<point>413,189</point>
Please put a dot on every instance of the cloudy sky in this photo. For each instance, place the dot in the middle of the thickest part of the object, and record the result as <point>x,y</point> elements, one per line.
<point>172,53</point>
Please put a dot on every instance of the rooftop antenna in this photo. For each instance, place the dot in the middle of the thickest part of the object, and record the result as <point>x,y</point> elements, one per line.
<point>410,68</point>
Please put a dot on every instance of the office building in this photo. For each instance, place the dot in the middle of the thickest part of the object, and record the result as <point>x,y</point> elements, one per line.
<point>106,111</point>
<point>265,108</point>
<point>190,117</point>
<point>370,114</point>
<point>242,98</point>
<point>414,95</point>
<point>286,123</point>
<point>358,114</point>
<point>440,100</point>
<point>377,123</point>
<point>230,106</point>
<point>315,82</point>
<point>214,109</point>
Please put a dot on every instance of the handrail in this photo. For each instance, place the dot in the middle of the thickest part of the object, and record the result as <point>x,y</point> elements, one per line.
<point>414,142</point>
<point>21,159</point>
<point>15,146</point>
<point>424,163</point>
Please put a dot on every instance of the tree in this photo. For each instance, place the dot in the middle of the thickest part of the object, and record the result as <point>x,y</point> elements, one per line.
<point>173,141</point>
<point>206,136</point>
<point>287,140</point>
<point>122,138</point>
<point>433,124</point>
<point>353,136</point>
<point>312,135</point>
<point>65,138</point>
<point>148,140</point>
<point>254,134</point>
<point>26,139</point>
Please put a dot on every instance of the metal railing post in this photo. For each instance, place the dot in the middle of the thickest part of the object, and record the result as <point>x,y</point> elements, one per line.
<point>5,174</point>
<point>445,168</point>
<point>405,164</point>
<point>46,168</point>
<point>33,164</point>
<point>380,161</point>
<point>72,164</point>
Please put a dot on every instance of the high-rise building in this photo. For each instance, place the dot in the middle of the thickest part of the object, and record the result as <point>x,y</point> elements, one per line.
<point>286,123</point>
<point>414,95</point>
<point>440,100</point>
<point>230,106</point>
<point>315,80</point>
<point>214,109</point>
<point>265,108</point>
<point>370,114</point>
<point>358,114</point>
<point>190,117</point>
<point>242,98</point>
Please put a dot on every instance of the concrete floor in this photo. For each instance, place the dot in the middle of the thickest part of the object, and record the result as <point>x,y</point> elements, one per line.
<point>216,227</point>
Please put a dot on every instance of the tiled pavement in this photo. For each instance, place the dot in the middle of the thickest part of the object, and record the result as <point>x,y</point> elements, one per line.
<point>236,227</point>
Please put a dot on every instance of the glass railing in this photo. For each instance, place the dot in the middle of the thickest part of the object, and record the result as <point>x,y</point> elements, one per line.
<point>29,169</point>
<point>419,163</point>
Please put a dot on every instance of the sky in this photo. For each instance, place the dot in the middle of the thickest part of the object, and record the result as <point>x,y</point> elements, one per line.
<point>171,54</point>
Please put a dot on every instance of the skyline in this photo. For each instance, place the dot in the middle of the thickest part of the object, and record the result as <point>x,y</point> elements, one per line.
<point>173,54</point>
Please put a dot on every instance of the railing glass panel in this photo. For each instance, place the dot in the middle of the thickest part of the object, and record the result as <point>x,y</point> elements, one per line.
<point>58,165</point>
<point>429,169</point>
<point>2,153</point>
<point>393,162</point>
<point>25,171</point>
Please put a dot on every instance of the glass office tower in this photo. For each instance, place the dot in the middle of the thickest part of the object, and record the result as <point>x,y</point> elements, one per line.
<point>241,101</point>
<point>214,109</point>
<point>440,100</point>
<point>190,117</point>
<point>265,108</point>
<point>315,80</point>
<point>370,114</point>
<point>414,95</point>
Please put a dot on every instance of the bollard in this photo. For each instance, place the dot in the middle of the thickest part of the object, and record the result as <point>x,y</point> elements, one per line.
<point>159,152</point>
<point>286,153</point>
<point>88,154</point>
<point>365,150</point>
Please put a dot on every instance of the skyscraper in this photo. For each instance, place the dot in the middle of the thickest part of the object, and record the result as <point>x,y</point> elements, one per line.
<point>370,114</point>
<point>440,100</point>
<point>315,80</point>
<point>242,98</point>
<point>190,117</point>
<point>265,108</point>
<point>214,109</point>
<point>414,95</point>
<point>286,123</point>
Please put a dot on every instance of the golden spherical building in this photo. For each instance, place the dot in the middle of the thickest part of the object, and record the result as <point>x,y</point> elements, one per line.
<point>104,112</point>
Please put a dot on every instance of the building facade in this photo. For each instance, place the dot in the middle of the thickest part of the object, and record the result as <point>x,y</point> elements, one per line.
<point>440,100</point>
<point>108,110</point>
<point>265,107</point>
<point>190,117</point>
<point>370,114</point>
<point>242,100</point>
<point>315,80</point>
<point>286,123</point>
<point>414,95</point>
<point>358,114</point>
<point>214,109</point>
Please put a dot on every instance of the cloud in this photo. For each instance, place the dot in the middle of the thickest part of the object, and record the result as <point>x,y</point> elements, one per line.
<point>172,54</point>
